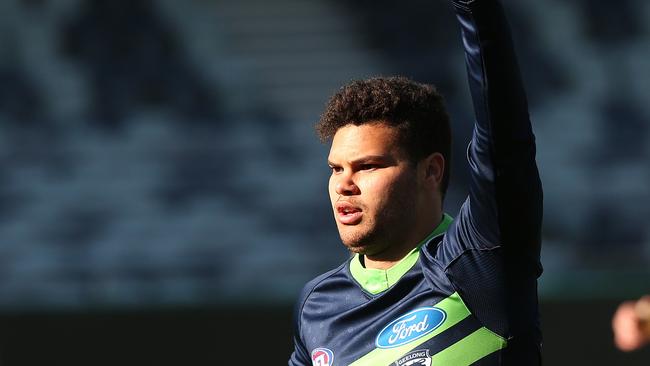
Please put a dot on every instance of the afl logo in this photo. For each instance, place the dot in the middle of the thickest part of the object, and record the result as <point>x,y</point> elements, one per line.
<point>322,357</point>
<point>410,326</point>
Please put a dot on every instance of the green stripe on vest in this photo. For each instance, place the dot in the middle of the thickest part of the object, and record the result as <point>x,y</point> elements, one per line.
<point>469,349</point>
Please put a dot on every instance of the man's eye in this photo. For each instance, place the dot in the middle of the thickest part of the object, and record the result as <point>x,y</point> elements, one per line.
<point>368,166</point>
<point>336,169</point>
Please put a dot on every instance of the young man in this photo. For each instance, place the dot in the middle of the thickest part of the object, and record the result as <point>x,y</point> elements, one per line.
<point>423,288</point>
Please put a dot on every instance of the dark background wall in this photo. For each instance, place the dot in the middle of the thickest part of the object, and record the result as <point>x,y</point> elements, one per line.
<point>163,195</point>
<point>575,332</point>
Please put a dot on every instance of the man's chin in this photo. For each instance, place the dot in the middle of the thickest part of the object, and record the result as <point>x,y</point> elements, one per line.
<point>358,244</point>
<point>356,249</point>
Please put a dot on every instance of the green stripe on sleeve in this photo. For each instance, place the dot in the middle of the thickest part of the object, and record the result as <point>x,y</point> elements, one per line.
<point>456,311</point>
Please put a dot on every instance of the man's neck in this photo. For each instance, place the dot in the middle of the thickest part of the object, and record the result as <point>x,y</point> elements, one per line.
<point>398,251</point>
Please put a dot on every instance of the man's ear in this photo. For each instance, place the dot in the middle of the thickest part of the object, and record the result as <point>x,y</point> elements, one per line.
<point>433,167</point>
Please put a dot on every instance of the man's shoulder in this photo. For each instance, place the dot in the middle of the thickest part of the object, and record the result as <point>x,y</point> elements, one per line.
<point>336,274</point>
<point>320,279</point>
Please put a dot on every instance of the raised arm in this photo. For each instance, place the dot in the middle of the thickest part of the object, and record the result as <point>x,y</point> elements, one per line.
<point>492,250</point>
<point>504,207</point>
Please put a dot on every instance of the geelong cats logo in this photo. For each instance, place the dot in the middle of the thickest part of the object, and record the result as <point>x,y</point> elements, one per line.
<point>415,358</point>
<point>322,357</point>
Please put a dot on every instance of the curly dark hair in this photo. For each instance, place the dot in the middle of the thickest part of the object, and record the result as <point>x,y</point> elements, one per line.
<point>416,110</point>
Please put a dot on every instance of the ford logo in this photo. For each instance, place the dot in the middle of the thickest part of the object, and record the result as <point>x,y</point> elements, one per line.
<point>410,326</point>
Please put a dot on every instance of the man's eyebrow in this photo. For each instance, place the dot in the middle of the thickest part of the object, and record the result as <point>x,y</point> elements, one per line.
<point>367,158</point>
<point>364,159</point>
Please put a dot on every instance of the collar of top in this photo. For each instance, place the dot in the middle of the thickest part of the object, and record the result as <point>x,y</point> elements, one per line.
<point>378,280</point>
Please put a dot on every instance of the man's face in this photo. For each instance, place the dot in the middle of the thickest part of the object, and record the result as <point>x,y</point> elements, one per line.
<point>373,187</point>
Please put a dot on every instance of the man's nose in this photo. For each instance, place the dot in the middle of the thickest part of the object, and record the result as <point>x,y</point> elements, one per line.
<point>345,186</point>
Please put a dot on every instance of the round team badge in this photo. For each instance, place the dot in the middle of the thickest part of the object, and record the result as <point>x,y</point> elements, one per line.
<point>322,357</point>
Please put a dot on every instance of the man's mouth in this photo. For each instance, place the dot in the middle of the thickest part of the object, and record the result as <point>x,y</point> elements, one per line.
<point>348,214</point>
